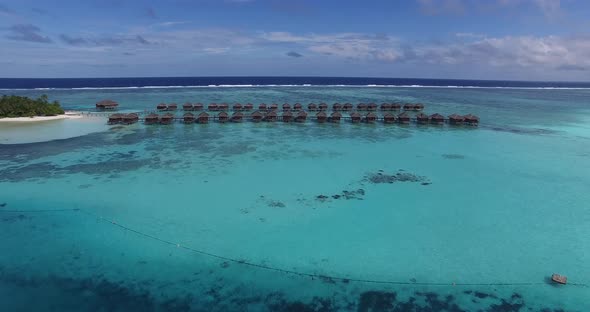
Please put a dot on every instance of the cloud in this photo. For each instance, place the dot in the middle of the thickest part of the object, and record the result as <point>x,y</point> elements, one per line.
<point>294,54</point>
<point>104,41</point>
<point>27,32</point>
<point>572,67</point>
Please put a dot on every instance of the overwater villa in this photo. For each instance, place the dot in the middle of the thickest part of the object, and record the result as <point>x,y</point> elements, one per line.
<point>370,117</point>
<point>237,107</point>
<point>198,107</point>
<point>287,116</point>
<point>301,116</point>
<point>347,107</point>
<point>388,118</point>
<point>187,106</point>
<point>172,107</point>
<point>335,117</point>
<point>274,106</point>
<point>162,107</point>
<point>361,107</point>
<point>422,118</point>
<point>337,107</point>
<point>408,107</point>
<point>297,106</point>
<point>223,117</point>
<point>437,119</point>
<point>355,117</point>
<point>312,107</point>
<point>212,107</point>
<point>372,107</point>
<point>403,118</point>
<point>323,106</point>
<point>152,119</point>
<point>203,118</point>
<point>167,119</point>
<point>262,107</point>
<point>418,107</point>
<point>249,107</point>
<point>271,116</point>
<point>130,118</point>
<point>321,117</point>
<point>395,106</point>
<point>455,119</point>
<point>237,117</point>
<point>115,119</point>
<point>471,120</point>
<point>107,105</point>
<point>286,107</point>
<point>223,107</point>
<point>188,118</point>
<point>385,107</point>
<point>256,116</point>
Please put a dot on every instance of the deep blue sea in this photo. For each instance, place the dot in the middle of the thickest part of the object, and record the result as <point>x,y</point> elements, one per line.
<point>297,217</point>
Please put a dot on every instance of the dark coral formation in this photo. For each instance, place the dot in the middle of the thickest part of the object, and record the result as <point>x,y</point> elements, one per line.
<point>355,194</point>
<point>400,176</point>
<point>453,156</point>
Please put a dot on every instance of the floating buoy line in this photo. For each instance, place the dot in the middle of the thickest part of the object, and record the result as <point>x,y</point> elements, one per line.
<point>313,276</point>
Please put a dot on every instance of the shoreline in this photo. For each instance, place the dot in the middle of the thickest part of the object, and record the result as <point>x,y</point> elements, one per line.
<point>67,115</point>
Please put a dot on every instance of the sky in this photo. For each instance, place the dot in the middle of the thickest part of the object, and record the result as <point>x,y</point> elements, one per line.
<point>461,39</point>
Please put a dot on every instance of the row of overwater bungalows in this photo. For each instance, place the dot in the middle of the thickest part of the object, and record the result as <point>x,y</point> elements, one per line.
<point>300,116</point>
<point>296,107</point>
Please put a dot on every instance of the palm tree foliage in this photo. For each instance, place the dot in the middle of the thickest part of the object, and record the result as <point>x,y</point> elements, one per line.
<point>22,106</point>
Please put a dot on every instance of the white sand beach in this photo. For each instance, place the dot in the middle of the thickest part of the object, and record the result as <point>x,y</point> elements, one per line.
<point>67,115</point>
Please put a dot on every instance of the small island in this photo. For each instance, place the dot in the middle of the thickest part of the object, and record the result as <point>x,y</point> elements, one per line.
<point>13,106</point>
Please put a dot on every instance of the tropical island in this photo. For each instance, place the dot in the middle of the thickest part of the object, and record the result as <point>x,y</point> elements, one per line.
<point>12,106</point>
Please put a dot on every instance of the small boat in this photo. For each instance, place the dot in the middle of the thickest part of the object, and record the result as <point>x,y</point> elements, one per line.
<point>559,279</point>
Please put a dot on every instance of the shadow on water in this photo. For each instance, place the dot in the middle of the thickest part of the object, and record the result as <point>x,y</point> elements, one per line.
<point>98,294</point>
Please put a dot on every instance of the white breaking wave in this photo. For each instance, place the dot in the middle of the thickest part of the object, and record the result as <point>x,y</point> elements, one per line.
<point>302,86</point>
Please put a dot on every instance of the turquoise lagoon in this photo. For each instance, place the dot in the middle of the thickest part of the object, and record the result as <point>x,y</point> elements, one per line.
<point>290,217</point>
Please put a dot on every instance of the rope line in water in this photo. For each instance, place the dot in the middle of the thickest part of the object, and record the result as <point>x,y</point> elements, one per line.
<point>281,270</point>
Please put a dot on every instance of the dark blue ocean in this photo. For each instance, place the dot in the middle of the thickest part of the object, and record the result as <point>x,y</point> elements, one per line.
<point>139,82</point>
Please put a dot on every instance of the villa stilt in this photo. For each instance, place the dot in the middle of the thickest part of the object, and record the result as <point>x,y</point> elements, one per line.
<point>172,107</point>
<point>237,107</point>
<point>370,117</point>
<point>162,107</point>
<point>213,107</point>
<point>422,118</point>
<point>249,107</point>
<point>115,119</point>
<point>198,107</point>
<point>271,116</point>
<point>455,119</point>
<point>437,119</point>
<point>337,107</point>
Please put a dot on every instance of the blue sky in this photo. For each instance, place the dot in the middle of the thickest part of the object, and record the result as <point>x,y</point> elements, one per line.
<point>487,39</point>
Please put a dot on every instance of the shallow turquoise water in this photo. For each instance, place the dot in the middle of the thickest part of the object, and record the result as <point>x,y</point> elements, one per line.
<point>503,207</point>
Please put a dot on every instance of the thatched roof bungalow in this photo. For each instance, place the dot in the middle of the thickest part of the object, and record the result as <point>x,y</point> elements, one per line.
<point>395,106</point>
<point>130,118</point>
<point>203,118</point>
<point>223,117</point>
<point>213,107</point>
<point>262,107</point>
<point>274,106</point>
<point>372,107</point>
<point>437,119</point>
<point>152,119</point>
<point>361,107</point>
<point>347,107</point>
<point>107,105</point>
<point>455,119</point>
<point>355,117</point>
<point>223,106</point>
<point>172,107</point>
<point>336,107</point>
<point>286,107</point>
<point>167,119</point>
<point>237,117</point>
<point>287,116</point>
<point>422,118</point>
<point>237,107</point>
<point>198,107</point>
<point>187,106</point>
<point>408,107</point>
<point>312,107</point>
<point>418,107</point>
<point>323,106</point>
<point>335,117</point>
<point>321,117</point>
<point>256,116</point>
<point>249,107</point>
<point>471,120</point>
<point>388,118</point>
<point>385,107</point>
<point>297,106</point>
<point>370,117</point>
<point>162,107</point>
<point>188,118</point>
<point>271,116</point>
<point>403,118</point>
<point>115,119</point>
<point>301,116</point>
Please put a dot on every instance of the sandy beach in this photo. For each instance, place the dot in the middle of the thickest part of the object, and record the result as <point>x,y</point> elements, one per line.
<point>67,115</point>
